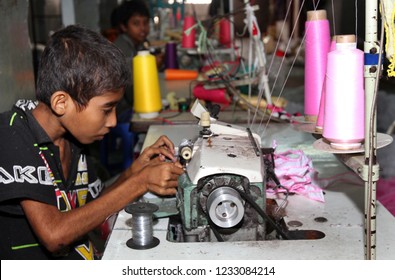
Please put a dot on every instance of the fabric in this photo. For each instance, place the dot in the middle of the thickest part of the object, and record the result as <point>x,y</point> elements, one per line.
<point>30,168</point>
<point>386,193</point>
<point>389,24</point>
<point>295,173</point>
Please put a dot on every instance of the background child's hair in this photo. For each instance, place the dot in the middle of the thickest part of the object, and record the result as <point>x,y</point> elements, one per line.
<point>130,8</point>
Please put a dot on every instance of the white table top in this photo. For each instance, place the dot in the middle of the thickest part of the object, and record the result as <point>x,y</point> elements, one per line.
<point>343,209</point>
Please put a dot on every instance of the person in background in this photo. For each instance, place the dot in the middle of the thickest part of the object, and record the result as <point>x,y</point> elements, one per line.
<point>132,18</point>
<point>50,195</point>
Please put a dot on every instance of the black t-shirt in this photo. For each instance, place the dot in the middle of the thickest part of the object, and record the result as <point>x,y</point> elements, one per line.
<point>30,168</point>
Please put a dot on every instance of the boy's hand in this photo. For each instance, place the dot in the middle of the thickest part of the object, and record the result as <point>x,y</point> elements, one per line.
<point>161,177</point>
<point>158,152</point>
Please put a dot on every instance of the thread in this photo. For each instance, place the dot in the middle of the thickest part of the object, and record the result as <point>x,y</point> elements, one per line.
<point>224,33</point>
<point>171,59</point>
<point>147,98</point>
<point>142,225</point>
<point>188,33</point>
<point>344,123</point>
<point>180,74</point>
<point>317,46</point>
<point>217,95</point>
<point>142,229</point>
<point>320,119</point>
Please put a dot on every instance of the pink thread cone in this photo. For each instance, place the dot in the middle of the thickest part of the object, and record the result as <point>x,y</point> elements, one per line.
<point>344,120</point>
<point>224,32</point>
<point>317,46</point>
<point>320,119</point>
<point>188,40</point>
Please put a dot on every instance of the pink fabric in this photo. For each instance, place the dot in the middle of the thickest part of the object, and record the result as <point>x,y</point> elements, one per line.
<point>295,171</point>
<point>386,193</point>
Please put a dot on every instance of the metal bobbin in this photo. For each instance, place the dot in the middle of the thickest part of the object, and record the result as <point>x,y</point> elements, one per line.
<point>142,229</point>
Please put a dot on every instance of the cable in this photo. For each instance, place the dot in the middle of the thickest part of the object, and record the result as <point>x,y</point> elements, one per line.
<point>214,229</point>
<point>270,174</point>
<point>262,213</point>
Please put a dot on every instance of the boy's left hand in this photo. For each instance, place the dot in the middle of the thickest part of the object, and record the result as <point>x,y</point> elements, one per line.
<point>161,150</point>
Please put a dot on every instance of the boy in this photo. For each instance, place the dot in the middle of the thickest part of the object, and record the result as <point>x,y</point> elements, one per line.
<point>50,196</point>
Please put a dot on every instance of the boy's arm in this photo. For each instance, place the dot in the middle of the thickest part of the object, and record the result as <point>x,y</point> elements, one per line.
<point>56,229</point>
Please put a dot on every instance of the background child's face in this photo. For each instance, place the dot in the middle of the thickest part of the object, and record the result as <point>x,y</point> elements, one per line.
<point>137,28</point>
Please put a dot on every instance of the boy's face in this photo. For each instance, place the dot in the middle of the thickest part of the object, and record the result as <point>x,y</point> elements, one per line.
<point>137,28</point>
<point>96,119</point>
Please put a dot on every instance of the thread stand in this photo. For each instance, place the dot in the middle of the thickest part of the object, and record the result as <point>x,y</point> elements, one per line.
<point>142,228</point>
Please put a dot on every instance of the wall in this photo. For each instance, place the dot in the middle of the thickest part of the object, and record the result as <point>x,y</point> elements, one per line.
<point>16,63</point>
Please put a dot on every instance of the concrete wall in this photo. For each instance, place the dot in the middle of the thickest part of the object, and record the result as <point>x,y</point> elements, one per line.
<point>16,63</point>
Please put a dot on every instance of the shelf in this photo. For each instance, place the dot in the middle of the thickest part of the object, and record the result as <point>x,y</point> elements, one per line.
<point>322,144</point>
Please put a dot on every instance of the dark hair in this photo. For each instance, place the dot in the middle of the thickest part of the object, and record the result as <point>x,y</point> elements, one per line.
<point>82,63</point>
<point>130,8</point>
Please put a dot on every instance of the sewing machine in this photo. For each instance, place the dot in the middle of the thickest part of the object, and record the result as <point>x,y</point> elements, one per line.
<point>223,172</point>
<point>222,194</point>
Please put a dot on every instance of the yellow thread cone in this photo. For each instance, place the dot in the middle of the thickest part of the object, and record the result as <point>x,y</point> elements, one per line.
<point>147,99</point>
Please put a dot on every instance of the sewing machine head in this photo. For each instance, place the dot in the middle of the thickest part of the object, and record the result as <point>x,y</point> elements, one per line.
<point>224,173</point>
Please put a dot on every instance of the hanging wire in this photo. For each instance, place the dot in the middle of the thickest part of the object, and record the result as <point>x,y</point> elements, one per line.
<point>333,18</point>
<point>356,18</point>
<point>282,63</point>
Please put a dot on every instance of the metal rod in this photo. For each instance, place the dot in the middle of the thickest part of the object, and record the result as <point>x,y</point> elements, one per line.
<point>370,168</point>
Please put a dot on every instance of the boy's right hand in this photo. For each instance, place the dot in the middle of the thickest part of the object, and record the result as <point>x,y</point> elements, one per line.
<point>161,177</point>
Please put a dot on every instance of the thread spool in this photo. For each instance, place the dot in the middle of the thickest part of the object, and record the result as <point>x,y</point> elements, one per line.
<point>217,95</point>
<point>142,228</point>
<point>344,124</point>
<point>147,99</point>
<point>181,74</point>
<point>224,32</point>
<point>188,35</point>
<point>320,119</point>
<point>317,46</point>
<point>171,60</point>
<point>186,153</point>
